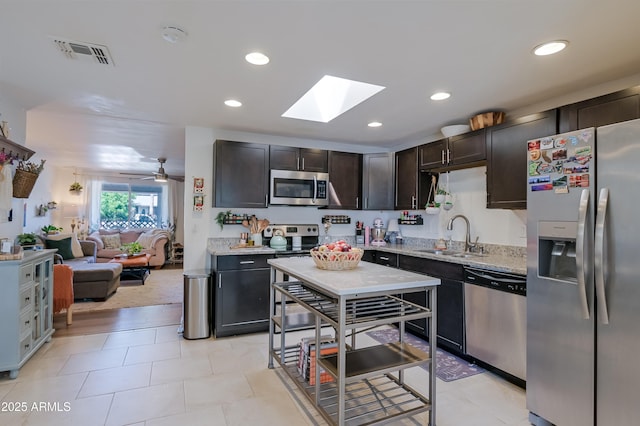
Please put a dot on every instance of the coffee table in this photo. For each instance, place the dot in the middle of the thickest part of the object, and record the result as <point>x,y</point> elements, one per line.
<point>135,267</point>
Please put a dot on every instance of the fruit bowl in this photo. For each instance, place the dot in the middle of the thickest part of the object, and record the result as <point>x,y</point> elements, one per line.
<point>336,260</point>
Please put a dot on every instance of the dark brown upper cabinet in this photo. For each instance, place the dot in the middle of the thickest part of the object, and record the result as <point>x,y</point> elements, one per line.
<point>300,159</point>
<point>457,152</point>
<point>507,158</point>
<point>377,181</point>
<point>411,186</point>
<point>345,180</point>
<point>608,109</point>
<point>240,174</point>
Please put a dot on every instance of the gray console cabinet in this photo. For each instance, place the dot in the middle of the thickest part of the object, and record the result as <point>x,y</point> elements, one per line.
<point>26,303</point>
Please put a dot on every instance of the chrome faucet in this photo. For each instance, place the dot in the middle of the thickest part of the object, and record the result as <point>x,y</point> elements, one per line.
<point>468,245</point>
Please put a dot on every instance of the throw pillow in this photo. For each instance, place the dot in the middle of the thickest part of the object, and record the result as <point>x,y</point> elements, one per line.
<point>111,241</point>
<point>127,237</point>
<point>76,248</point>
<point>95,236</point>
<point>63,246</point>
<point>145,239</point>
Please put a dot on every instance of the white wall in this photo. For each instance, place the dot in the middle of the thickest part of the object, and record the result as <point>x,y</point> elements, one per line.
<point>24,210</point>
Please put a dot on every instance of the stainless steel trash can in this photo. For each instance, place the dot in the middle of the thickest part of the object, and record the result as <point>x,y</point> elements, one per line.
<point>197,288</point>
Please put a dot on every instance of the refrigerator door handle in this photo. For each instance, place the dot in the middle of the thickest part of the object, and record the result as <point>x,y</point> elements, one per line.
<point>599,249</point>
<point>581,270</point>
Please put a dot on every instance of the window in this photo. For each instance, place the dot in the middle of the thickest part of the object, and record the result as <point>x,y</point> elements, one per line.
<point>124,205</point>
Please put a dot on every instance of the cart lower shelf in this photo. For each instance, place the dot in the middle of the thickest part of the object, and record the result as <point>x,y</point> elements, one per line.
<point>374,399</point>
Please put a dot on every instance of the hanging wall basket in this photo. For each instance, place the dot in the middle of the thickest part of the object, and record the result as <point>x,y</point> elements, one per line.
<point>23,182</point>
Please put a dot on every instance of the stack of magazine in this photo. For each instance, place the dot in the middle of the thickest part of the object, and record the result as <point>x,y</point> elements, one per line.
<point>307,358</point>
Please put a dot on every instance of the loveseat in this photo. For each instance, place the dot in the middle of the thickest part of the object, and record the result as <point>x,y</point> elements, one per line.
<point>91,280</point>
<point>109,243</point>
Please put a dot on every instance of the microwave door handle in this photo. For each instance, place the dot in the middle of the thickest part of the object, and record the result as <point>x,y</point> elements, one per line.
<point>599,259</point>
<point>315,189</point>
<point>581,270</point>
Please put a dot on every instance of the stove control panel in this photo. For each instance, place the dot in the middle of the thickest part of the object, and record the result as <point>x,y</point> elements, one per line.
<point>292,230</point>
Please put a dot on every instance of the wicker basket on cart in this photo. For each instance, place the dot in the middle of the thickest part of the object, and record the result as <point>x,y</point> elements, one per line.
<point>23,182</point>
<point>337,261</point>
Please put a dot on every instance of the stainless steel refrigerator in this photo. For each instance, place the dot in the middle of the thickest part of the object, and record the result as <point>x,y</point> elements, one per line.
<point>583,277</point>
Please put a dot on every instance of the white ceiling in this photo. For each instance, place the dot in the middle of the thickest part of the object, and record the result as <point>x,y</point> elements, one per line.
<point>122,117</point>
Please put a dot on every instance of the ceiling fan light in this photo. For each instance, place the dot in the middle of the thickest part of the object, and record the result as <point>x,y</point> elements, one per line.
<point>160,178</point>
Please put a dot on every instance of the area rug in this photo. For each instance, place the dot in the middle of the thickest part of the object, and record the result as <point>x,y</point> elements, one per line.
<point>448,367</point>
<point>162,286</point>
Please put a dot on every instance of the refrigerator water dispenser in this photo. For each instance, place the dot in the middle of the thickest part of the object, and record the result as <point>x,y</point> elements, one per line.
<point>557,250</point>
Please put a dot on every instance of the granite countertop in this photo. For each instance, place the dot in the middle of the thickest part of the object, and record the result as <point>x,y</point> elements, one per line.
<point>502,262</point>
<point>507,260</point>
<point>364,278</point>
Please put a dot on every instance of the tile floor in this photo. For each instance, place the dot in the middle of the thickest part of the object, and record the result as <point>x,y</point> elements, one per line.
<point>153,377</point>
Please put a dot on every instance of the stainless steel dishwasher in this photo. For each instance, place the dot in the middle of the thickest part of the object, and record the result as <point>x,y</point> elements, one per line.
<point>496,319</point>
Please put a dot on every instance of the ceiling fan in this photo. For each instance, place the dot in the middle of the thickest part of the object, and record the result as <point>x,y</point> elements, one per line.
<point>160,175</point>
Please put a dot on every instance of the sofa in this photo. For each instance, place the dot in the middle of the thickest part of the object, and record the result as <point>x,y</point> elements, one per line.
<point>91,280</point>
<point>109,243</point>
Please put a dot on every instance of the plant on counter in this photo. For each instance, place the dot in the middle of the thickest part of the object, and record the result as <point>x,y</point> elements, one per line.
<point>221,217</point>
<point>27,239</point>
<point>50,229</point>
<point>132,248</point>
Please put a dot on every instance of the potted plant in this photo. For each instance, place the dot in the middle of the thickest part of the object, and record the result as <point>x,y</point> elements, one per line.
<point>50,229</point>
<point>75,187</point>
<point>132,248</point>
<point>28,239</point>
<point>221,217</point>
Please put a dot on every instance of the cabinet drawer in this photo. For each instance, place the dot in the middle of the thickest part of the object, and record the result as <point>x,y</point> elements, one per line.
<point>26,273</point>
<point>25,346</point>
<point>26,320</point>
<point>235,262</point>
<point>26,297</point>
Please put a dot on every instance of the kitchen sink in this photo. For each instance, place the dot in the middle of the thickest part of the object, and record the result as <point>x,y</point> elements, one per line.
<point>442,252</point>
<point>451,253</point>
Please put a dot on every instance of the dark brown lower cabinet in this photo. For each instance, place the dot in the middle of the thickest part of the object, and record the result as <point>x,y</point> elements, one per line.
<point>241,294</point>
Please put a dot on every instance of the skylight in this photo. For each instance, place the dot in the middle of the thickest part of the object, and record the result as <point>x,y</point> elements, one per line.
<point>330,97</point>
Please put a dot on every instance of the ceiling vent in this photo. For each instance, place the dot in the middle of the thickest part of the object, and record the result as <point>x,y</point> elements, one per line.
<point>84,51</point>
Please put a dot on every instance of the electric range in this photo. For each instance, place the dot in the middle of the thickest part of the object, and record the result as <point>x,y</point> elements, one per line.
<point>300,238</point>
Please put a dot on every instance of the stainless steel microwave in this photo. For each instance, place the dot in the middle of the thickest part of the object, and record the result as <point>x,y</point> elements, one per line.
<point>293,188</point>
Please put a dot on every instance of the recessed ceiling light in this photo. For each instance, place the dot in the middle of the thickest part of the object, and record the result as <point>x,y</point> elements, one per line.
<point>550,48</point>
<point>440,96</point>
<point>257,58</point>
<point>374,124</point>
<point>330,97</point>
<point>173,34</point>
<point>233,103</point>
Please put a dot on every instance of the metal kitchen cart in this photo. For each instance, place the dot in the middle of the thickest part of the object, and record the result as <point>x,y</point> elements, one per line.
<point>368,385</point>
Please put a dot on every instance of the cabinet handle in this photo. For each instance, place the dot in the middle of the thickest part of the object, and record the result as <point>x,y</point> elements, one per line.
<point>384,258</point>
<point>448,155</point>
<point>298,163</point>
<point>27,322</point>
<point>27,299</point>
<point>266,200</point>
<point>219,280</point>
<point>357,202</point>
<point>247,262</point>
<point>414,204</point>
<point>302,163</point>
<point>366,202</point>
<point>442,157</point>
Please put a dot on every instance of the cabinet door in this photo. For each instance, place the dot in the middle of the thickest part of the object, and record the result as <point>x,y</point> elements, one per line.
<point>507,158</point>
<point>314,160</point>
<point>241,174</point>
<point>601,111</point>
<point>345,180</point>
<point>241,301</point>
<point>377,181</point>
<point>467,148</point>
<point>284,157</point>
<point>451,314</point>
<point>406,183</point>
<point>432,155</point>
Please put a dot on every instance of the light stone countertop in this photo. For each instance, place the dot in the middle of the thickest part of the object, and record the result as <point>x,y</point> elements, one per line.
<point>364,278</point>
<point>507,260</point>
